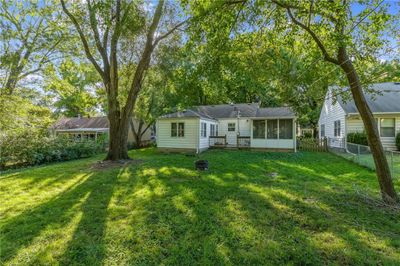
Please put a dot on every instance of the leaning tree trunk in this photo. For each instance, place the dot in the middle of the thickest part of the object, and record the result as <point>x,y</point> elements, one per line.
<point>382,167</point>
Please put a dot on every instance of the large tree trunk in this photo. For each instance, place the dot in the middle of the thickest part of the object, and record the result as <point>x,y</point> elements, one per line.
<point>118,139</point>
<point>382,167</point>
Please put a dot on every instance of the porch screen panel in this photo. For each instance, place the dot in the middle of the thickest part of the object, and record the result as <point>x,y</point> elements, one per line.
<point>272,129</point>
<point>259,129</point>
<point>285,129</point>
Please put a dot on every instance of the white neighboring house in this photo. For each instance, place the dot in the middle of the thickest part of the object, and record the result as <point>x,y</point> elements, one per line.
<point>338,118</point>
<point>227,125</point>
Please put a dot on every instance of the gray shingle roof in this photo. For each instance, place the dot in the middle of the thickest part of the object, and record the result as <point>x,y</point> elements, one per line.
<point>387,100</point>
<point>231,111</point>
<point>275,112</point>
<point>84,122</point>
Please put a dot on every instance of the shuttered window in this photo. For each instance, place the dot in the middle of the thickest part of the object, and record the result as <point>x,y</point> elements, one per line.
<point>336,128</point>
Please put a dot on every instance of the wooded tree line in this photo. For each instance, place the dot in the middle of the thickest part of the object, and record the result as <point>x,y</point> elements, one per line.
<point>122,58</point>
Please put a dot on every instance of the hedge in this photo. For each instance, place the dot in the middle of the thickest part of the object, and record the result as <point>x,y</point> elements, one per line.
<point>358,138</point>
<point>30,148</point>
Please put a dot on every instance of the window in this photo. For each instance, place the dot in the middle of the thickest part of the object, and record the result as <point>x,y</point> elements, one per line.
<point>177,129</point>
<point>337,128</point>
<point>259,129</point>
<point>285,129</point>
<point>322,130</point>
<point>181,129</point>
<point>387,127</point>
<point>212,130</point>
<point>272,129</point>
<point>231,126</point>
<point>203,131</point>
<point>174,131</point>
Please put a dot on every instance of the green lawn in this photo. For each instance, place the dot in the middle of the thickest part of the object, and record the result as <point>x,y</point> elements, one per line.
<point>368,161</point>
<point>319,209</point>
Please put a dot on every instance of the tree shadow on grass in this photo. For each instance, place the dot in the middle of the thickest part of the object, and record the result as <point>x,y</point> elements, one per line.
<point>90,195</point>
<point>236,218</point>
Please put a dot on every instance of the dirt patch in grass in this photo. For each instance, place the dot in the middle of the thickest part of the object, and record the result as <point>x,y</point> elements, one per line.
<point>105,165</point>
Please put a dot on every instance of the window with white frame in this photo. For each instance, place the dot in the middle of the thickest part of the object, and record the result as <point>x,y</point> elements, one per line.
<point>181,129</point>
<point>203,131</point>
<point>285,128</point>
<point>231,126</point>
<point>336,128</point>
<point>322,130</point>
<point>177,129</point>
<point>212,130</point>
<point>387,127</point>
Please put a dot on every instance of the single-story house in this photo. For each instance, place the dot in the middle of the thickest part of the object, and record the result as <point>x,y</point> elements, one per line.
<point>339,117</point>
<point>93,128</point>
<point>227,125</point>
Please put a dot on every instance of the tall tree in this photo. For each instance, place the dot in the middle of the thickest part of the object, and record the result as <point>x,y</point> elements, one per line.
<point>108,31</point>
<point>30,37</point>
<point>339,34</point>
<point>349,35</point>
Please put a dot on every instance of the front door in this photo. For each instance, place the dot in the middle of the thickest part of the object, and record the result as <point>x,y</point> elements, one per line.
<point>231,134</point>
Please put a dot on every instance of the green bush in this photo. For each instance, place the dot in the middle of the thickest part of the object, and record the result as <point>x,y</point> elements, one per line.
<point>32,148</point>
<point>358,138</point>
<point>398,141</point>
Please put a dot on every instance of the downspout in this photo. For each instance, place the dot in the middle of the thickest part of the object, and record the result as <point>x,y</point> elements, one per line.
<point>198,137</point>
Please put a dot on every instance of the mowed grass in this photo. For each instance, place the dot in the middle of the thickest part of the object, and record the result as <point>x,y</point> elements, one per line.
<point>318,209</point>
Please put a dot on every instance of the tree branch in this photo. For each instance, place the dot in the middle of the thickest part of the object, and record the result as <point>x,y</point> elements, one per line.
<point>144,60</point>
<point>165,35</point>
<point>94,26</point>
<point>83,39</point>
<point>321,46</point>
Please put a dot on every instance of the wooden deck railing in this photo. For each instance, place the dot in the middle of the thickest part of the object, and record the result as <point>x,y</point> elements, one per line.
<point>217,141</point>
<point>243,141</point>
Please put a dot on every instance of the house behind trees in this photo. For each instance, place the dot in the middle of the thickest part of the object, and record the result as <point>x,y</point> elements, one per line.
<point>94,128</point>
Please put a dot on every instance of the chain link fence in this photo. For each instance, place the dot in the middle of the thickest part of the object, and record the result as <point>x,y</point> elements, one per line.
<point>362,155</point>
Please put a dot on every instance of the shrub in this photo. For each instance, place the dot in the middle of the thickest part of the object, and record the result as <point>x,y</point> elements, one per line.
<point>358,138</point>
<point>398,141</point>
<point>32,148</point>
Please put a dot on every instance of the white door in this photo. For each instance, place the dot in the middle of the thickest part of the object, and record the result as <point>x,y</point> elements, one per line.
<point>231,133</point>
